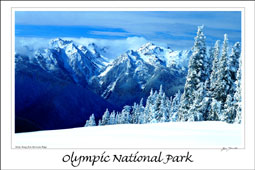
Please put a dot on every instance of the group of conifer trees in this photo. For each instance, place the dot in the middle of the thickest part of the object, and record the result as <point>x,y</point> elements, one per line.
<point>213,84</point>
<point>212,91</point>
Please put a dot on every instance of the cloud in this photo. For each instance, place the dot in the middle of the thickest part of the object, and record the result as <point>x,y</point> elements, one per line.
<point>27,45</point>
<point>108,33</point>
<point>136,23</point>
<point>115,47</point>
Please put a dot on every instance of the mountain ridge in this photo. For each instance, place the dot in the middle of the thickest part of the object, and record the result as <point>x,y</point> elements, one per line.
<point>112,83</point>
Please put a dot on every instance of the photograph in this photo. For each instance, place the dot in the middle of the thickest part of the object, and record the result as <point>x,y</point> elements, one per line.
<point>128,79</point>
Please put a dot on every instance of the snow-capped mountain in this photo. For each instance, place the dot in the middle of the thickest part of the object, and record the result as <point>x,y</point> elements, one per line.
<point>51,89</point>
<point>65,57</point>
<point>155,55</point>
<point>67,81</point>
<point>131,75</point>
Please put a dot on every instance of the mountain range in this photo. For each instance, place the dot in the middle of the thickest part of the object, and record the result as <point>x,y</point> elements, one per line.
<point>60,86</point>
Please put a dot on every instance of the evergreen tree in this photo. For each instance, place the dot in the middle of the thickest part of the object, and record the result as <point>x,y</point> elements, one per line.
<point>199,107</point>
<point>196,75</point>
<point>231,106</point>
<point>112,120</point>
<point>163,109</point>
<point>125,115</point>
<point>234,64</point>
<point>234,59</point>
<point>92,121</point>
<point>175,104</point>
<point>150,107</point>
<point>229,112</point>
<point>153,113</point>
<point>106,118</point>
<point>87,123</point>
<point>141,112</point>
<point>143,118</point>
<point>238,95</point>
<point>118,118</point>
<point>209,62</point>
<point>223,82</point>
<point>215,111</point>
<point>135,114</point>
<point>216,54</point>
<point>208,65</point>
<point>157,105</point>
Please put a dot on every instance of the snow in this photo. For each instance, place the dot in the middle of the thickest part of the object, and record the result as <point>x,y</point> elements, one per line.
<point>152,54</point>
<point>105,71</point>
<point>179,58</point>
<point>209,134</point>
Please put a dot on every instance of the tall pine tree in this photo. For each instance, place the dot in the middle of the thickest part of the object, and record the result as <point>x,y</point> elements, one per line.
<point>106,118</point>
<point>234,64</point>
<point>216,54</point>
<point>196,75</point>
<point>223,82</point>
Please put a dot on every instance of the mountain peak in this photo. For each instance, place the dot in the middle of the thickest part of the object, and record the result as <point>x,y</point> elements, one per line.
<point>148,45</point>
<point>58,42</point>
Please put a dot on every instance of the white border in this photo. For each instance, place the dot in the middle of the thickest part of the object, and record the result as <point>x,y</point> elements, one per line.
<point>204,159</point>
<point>124,9</point>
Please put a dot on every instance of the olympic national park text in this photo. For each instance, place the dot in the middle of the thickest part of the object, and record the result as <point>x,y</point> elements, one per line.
<point>136,157</point>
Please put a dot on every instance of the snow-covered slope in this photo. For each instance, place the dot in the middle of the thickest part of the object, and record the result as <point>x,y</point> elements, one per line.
<point>160,135</point>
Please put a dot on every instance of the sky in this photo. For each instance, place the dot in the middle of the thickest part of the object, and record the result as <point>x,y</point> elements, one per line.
<point>175,29</point>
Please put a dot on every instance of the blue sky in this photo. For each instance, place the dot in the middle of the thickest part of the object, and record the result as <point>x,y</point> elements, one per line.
<point>177,29</point>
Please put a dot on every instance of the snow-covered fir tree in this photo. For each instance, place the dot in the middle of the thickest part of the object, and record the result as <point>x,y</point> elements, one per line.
<point>137,110</point>
<point>232,103</point>
<point>198,109</point>
<point>135,114</point>
<point>150,108</point>
<point>238,95</point>
<point>215,111</point>
<point>208,63</point>
<point>158,105</point>
<point>140,111</point>
<point>118,118</point>
<point>214,107</point>
<point>125,115</point>
<point>91,121</point>
<point>213,75</point>
<point>174,107</point>
<point>196,75</point>
<point>228,111</point>
<point>223,82</point>
<point>106,118</point>
<point>112,120</point>
<point>164,109</point>
<point>234,64</point>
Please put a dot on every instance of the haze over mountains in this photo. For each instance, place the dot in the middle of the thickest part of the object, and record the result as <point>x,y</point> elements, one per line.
<point>60,86</point>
